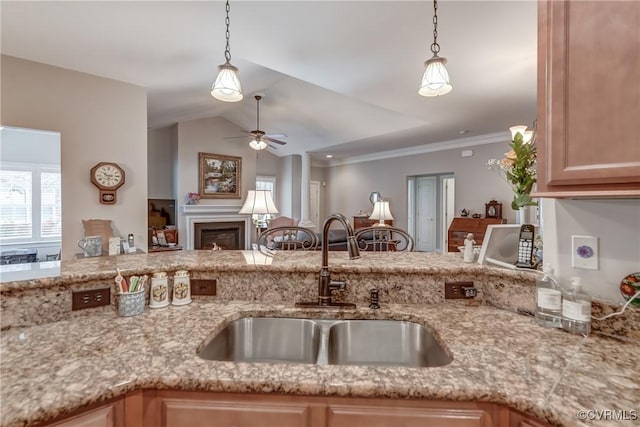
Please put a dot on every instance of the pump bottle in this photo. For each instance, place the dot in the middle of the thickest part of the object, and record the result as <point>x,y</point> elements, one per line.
<point>576,309</point>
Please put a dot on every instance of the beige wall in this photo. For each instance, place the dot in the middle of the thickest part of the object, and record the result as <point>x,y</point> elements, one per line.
<point>207,135</point>
<point>349,186</point>
<point>99,120</point>
<point>160,164</point>
<point>616,223</point>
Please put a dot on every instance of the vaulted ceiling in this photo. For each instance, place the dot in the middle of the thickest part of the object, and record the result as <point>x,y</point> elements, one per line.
<point>337,77</point>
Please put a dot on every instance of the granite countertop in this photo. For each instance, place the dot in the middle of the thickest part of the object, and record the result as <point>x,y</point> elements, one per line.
<point>53,273</point>
<point>498,356</point>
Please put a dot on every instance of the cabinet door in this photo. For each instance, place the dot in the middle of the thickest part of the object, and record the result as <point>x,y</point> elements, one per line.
<point>380,416</point>
<point>589,97</point>
<point>105,416</point>
<point>188,412</point>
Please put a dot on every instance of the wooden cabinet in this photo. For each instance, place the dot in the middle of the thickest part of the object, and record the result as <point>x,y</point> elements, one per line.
<point>364,222</point>
<point>165,408</point>
<point>380,413</point>
<point>194,409</point>
<point>588,132</point>
<point>109,415</point>
<point>460,227</point>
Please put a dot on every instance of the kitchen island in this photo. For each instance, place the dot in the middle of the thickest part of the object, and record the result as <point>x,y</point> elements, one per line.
<point>52,369</point>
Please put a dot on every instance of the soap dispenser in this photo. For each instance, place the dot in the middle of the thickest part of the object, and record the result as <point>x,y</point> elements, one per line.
<point>576,309</point>
<point>548,300</point>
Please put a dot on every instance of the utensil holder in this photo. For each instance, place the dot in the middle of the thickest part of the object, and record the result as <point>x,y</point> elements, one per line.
<point>131,303</point>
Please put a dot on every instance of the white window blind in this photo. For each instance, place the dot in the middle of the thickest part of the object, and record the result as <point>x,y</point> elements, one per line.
<point>30,204</point>
<point>267,183</point>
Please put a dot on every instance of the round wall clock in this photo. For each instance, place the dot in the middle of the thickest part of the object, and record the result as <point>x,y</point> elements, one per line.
<point>108,177</point>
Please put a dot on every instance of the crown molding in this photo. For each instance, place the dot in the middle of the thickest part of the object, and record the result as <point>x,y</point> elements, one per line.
<point>453,144</point>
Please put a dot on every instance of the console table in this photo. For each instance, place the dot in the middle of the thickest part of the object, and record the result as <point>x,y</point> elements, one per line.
<point>460,227</point>
<point>363,221</point>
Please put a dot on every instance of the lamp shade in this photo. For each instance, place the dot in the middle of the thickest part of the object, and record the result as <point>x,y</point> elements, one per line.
<point>435,80</point>
<point>520,129</point>
<point>381,211</point>
<point>227,85</point>
<point>258,144</point>
<point>258,202</point>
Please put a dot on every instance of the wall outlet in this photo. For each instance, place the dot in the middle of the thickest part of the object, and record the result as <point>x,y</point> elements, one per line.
<point>584,252</point>
<point>90,298</point>
<point>203,287</point>
<point>459,290</point>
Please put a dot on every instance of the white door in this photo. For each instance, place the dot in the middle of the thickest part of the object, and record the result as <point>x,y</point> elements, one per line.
<point>448,192</point>
<point>314,203</point>
<point>426,213</point>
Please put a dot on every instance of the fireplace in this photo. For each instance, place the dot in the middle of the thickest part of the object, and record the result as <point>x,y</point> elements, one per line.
<point>226,235</point>
<point>220,224</point>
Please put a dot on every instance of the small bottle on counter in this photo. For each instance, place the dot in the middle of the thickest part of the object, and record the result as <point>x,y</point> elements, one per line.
<point>576,309</point>
<point>548,300</point>
<point>130,240</point>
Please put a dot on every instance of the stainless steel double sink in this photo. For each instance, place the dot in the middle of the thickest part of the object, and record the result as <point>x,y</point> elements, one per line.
<point>326,342</point>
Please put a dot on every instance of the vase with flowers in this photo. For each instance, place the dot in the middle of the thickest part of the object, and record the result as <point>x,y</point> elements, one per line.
<point>193,198</point>
<point>519,167</point>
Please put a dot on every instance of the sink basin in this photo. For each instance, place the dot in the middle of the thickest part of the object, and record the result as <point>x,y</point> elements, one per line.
<point>323,341</point>
<point>384,343</point>
<point>264,339</point>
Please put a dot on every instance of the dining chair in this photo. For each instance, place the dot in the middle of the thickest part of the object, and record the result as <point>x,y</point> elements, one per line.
<point>384,239</point>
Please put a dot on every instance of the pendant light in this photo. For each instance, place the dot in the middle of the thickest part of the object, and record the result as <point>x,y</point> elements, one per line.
<point>227,86</point>
<point>435,81</point>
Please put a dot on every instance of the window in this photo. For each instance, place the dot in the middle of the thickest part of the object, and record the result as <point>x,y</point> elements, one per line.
<point>267,183</point>
<point>30,203</point>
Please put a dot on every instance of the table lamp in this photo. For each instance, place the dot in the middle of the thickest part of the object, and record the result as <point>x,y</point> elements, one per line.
<point>259,204</point>
<point>381,212</point>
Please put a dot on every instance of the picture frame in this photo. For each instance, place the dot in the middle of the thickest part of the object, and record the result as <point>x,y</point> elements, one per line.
<point>493,209</point>
<point>219,176</point>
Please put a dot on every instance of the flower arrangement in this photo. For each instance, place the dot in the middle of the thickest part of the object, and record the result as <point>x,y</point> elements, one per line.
<point>193,198</point>
<point>519,169</point>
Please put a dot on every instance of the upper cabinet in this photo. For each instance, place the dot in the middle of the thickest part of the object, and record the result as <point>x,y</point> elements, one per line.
<point>588,99</point>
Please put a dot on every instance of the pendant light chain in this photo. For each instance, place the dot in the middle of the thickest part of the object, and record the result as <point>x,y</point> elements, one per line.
<point>227,51</point>
<point>435,47</point>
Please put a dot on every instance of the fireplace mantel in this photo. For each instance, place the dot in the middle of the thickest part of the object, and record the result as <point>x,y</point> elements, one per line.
<point>194,214</point>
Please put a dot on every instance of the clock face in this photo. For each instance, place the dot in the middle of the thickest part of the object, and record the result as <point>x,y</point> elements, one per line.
<point>108,176</point>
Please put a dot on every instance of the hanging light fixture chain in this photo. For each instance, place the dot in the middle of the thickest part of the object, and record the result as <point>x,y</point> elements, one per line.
<point>435,47</point>
<point>227,51</point>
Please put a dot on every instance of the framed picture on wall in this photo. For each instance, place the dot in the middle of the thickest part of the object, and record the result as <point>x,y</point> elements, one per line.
<point>219,176</point>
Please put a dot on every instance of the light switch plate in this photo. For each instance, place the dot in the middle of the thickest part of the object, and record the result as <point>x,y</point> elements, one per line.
<point>584,252</point>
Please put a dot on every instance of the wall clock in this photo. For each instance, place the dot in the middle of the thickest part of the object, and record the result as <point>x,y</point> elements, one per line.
<point>493,209</point>
<point>108,177</point>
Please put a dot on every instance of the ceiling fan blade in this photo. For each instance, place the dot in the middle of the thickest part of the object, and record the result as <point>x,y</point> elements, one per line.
<point>235,137</point>
<point>277,135</point>
<point>275,141</point>
<point>272,146</point>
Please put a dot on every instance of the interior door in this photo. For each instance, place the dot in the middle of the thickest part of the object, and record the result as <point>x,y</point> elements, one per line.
<point>426,213</point>
<point>314,203</point>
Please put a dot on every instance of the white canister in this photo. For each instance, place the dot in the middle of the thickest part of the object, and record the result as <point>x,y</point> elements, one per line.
<point>159,292</point>
<point>181,288</point>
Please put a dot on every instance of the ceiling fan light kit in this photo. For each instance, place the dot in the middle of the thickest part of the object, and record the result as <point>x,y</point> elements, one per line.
<point>227,85</point>
<point>435,80</point>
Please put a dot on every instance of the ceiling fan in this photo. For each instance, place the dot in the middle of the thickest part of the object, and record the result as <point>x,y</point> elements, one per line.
<point>259,139</point>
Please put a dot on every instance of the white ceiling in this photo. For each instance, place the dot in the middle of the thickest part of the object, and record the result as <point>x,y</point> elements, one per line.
<point>337,77</point>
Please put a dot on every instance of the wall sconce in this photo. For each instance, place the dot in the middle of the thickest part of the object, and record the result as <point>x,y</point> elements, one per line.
<point>381,212</point>
<point>259,204</point>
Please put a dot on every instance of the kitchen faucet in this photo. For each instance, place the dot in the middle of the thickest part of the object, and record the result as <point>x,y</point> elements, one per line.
<point>325,284</point>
